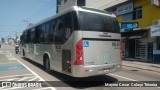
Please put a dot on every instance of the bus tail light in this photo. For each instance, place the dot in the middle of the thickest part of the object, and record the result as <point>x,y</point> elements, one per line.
<point>121,49</point>
<point>79,53</point>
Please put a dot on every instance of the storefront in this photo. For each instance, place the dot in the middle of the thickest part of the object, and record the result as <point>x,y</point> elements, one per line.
<point>155,32</point>
<point>135,44</point>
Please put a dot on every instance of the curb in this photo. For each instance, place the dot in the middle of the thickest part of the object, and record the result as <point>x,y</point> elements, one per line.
<point>143,67</point>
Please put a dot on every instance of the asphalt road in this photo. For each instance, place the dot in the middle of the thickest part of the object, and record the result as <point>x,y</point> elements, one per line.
<point>15,68</point>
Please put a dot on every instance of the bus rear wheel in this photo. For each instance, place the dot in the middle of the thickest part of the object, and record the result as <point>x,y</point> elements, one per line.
<point>47,65</point>
<point>23,53</point>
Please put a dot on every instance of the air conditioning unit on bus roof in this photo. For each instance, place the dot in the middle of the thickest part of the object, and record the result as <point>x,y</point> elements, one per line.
<point>156,22</point>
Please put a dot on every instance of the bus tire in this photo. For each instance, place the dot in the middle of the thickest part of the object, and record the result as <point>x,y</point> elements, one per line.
<point>23,53</point>
<point>47,64</point>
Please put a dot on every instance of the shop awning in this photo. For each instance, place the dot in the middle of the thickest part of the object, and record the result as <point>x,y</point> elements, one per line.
<point>134,34</point>
<point>123,37</point>
<point>134,37</point>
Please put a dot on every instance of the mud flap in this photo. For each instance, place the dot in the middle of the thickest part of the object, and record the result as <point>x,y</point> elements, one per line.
<point>66,61</point>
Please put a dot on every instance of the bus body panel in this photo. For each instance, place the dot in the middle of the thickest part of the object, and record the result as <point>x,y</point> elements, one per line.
<point>94,70</point>
<point>100,57</point>
<point>101,48</point>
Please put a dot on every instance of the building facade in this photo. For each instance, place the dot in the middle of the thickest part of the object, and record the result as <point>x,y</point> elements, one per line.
<point>98,4</point>
<point>140,28</point>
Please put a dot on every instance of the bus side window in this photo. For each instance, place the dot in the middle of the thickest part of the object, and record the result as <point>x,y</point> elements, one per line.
<point>24,39</point>
<point>37,34</point>
<point>58,33</point>
<point>64,28</point>
<point>47,32</point>
<point>28,36</point>
<point>42,33</point>
<point>32,35</point>
<point>68,26</point>
<point>51,35</point>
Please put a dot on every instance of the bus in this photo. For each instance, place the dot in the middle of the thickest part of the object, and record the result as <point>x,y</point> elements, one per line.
<point>79,42</point>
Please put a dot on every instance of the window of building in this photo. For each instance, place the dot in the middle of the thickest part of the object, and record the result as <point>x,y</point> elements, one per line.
<point>81,2</point>
<point>65,1</point>
<point>137,13</point>
<point>158,42</point>
<point>58,2</point>
<point>127,17</point>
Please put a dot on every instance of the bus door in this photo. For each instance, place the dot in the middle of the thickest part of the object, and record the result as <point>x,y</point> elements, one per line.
<point>64,28</point>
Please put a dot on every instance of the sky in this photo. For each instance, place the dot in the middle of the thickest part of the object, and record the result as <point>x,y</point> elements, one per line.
<point>15,13</point>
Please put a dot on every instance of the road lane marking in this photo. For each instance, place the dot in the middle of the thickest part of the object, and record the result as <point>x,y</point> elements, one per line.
<point>1,51</point>
<point>17,75</point>
<point>12,67</point>
<point>25,78</point>
<point>33,79</point>
<point>17,79</point>
<point>42,88</point>
<point>123,77</point>
<point>9,63</point>
<point>128,78</point>
<point>12,59</point>
<point>12,88</point>
<point>41,79</point>
<point>7,51</point>
<point>8,79</point>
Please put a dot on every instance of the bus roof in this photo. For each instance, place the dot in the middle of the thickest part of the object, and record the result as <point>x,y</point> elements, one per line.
<point>73,8</point>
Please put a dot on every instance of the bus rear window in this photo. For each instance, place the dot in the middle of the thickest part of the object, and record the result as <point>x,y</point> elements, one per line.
<point>98,22</point>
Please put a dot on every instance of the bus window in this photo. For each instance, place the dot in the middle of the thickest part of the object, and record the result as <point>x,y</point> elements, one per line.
<point>37,34</point>
<point>42,33</point>
<point>68,26</point>
<point>64,28</point>
<point>28,36</point>
<point>32,34</point>
<point>51,35</point>
<point>47,30</point>
<point>98,22</point>
<point>59,30</point>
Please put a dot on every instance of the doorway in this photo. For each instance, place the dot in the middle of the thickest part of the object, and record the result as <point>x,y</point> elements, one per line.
<point>131,44</point>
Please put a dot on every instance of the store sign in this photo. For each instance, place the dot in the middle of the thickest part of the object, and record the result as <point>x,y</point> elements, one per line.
<point>124,9</point>
<point>155,2</point>
<point>156,51</point>
<point>155,31</point>
<point>125,26</point>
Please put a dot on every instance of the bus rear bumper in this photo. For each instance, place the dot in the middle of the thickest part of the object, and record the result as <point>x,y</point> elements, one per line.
<point>94,70</point>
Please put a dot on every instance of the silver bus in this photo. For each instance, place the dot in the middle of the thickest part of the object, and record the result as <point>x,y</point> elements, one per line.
<point>78,41</point>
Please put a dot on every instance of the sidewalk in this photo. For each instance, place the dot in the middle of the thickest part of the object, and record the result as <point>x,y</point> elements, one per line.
<point>142,65</point>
